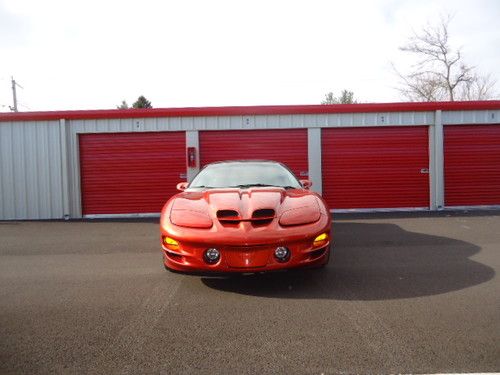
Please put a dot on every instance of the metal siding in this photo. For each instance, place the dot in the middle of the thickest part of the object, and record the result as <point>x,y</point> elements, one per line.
<point>491,116</point>
<point>225,122</point>
<point>39,196</point>
<point>192,140</point>
<point>6,173</point>
<point>128,173</point>
<point>314,158</point>
<point>56,182</point>
<point>375,167</point>
<point>30,173</point>
<point>252,122</point>
<point>472,165</point>
<point>436,175</point>
<point>286,146</point>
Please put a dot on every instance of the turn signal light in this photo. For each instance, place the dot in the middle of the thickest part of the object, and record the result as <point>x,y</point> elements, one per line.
<point>320,240</point>
<point>170,243</point>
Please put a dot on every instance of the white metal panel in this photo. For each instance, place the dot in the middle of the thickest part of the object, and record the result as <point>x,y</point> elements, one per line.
<point>378,119</point>
<point>187,123</point>
<point>199,122</point>
<point>149,124</point>
<point>74,175</point>
<point>253,122</point>
<point>314,159</point>
<point>298,121</point>
<point>7,201</point>
<point>63,128</point>
<point>30,170</point>
<point>471,117</point>
<point>192,140</point>
<point>436,163</point>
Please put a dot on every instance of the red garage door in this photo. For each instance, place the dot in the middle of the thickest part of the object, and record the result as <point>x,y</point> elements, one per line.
<point>379,167</point>
<point>472,165</point>
<point>123,173</point>
<point>288,146</point>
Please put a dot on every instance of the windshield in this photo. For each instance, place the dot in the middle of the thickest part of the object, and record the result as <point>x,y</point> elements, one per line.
<point>245,174</point>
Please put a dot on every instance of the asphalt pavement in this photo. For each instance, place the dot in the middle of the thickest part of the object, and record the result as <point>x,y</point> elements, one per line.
<point>402,294</point>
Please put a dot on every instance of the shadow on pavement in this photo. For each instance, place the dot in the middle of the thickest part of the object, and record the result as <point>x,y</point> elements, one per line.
<point>372,262</point>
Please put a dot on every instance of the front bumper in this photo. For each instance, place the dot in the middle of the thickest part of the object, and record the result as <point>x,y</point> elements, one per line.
<point>244,259</point>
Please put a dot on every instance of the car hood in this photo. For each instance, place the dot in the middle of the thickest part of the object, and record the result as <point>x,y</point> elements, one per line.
<point>201,208</point>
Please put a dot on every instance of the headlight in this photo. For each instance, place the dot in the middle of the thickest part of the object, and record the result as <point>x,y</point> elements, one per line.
<point>300,216</point>
<point>190,219</point>
<point>321,240</point>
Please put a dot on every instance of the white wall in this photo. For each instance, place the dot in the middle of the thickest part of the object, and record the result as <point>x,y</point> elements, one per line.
<point>30,170</point>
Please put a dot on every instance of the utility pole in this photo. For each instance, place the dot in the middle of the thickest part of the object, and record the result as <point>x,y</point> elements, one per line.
<point>14,94</point>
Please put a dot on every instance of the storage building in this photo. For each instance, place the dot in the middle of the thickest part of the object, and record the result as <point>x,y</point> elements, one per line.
<point>393,156</point>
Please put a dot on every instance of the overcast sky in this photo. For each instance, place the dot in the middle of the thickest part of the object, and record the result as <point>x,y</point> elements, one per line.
<point>91,54</point>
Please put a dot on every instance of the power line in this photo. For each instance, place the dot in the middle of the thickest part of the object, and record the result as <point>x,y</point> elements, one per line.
<point>24,106</point>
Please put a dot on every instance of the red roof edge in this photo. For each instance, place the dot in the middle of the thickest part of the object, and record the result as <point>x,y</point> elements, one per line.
<point>250,110</point>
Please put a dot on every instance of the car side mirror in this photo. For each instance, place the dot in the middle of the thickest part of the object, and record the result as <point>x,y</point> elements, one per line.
<point>306,184</point>
<point>182,186</point>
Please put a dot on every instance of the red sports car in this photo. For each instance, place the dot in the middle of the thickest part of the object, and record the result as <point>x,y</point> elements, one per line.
<point>245,216</point>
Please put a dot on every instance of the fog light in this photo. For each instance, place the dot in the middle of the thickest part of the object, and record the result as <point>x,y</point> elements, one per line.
<point>320,240</point>
<point>212,255</point>
<point>282,254</point>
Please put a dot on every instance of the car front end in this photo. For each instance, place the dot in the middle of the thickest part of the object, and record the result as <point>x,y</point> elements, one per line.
<point>245,230</point>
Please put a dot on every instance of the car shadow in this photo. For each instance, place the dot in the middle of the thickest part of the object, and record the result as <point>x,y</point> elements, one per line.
<point>372,262</point>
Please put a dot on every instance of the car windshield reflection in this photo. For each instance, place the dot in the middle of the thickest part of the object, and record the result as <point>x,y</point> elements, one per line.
<point>245,175</point>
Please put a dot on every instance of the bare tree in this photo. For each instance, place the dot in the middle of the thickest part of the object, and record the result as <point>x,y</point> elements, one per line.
<point>441,73</point>
<point>480,88</point>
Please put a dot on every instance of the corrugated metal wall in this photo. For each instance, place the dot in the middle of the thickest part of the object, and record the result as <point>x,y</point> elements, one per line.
<point>472,165</point>
<point>31,170</point>
<point>39,160</point>
<point>288,146</point>
<point>125,173</point>
<point>252,122</point>
<point>376,168</point>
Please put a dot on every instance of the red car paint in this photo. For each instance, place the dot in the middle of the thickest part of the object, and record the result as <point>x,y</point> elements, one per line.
<point>246,242</point>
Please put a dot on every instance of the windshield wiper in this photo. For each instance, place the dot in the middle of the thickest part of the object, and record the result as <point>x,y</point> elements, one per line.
<point>263,185</point>
<point>242,186</point>
<point>250,185</point>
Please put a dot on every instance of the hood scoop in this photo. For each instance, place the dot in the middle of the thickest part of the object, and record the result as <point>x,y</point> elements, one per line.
<point>259,217</point>
<point>265,213</point>
<point>230,215</point>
